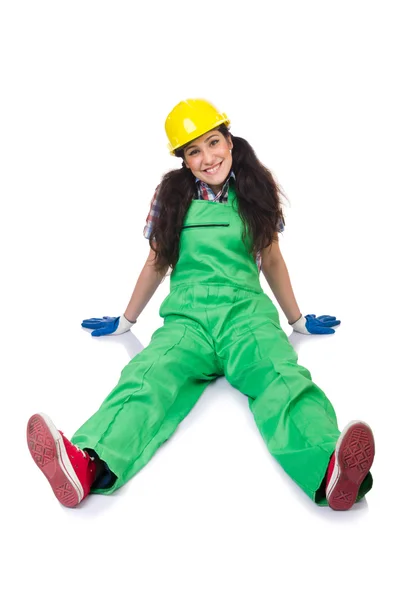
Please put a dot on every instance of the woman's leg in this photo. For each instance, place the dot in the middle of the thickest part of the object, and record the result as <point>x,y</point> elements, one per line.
<point>293,415</point>
<point>156,390</point>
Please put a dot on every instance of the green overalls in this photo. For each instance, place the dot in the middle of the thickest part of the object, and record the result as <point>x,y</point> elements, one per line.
<point>217,321</point>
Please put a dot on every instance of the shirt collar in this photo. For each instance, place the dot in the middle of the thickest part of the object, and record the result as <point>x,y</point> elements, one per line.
<point>205,192</point>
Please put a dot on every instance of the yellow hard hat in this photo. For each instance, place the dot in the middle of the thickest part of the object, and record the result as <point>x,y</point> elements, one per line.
<point>189,120</point>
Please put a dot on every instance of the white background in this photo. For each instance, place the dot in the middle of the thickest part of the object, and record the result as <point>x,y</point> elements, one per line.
<point>85,89</point>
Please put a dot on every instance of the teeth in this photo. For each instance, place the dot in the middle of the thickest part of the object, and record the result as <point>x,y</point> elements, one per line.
<point>213,170</point>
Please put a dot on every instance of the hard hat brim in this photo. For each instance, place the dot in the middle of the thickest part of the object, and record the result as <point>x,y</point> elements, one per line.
<point>224,121</point>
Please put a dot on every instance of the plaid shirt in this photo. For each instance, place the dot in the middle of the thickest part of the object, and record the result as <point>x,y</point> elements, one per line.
<point>204,192</point>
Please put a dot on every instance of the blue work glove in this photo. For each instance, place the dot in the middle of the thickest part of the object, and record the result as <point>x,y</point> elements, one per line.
<point>310,324</point>
<point>108,325</point>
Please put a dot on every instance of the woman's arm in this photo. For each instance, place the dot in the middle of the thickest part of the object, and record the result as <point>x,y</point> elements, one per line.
<point>147,283</point>
<point>276,274</point>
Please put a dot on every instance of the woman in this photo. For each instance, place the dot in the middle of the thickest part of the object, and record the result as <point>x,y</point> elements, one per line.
<point>215,223</point>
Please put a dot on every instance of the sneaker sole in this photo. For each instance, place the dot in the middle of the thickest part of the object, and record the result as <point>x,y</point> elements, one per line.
<point>48,451</point>
<point>354,455</point>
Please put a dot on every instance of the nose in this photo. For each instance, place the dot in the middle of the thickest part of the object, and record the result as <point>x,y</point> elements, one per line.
<point>208,158</point>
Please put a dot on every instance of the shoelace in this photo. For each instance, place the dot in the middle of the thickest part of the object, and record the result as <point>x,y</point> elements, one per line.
<point>74,446</point>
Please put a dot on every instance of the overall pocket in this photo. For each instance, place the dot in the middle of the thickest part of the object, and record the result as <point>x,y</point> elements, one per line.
<point>211,224</point>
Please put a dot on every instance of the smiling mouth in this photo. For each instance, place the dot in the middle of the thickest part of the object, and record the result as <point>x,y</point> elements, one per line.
<point>213,170</point>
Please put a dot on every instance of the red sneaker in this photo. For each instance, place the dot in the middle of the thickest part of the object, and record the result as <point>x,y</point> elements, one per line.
<point>354,455</point>
<point>69,470</point>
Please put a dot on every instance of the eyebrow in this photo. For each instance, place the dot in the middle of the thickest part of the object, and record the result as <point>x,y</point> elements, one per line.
<point>206,140</point>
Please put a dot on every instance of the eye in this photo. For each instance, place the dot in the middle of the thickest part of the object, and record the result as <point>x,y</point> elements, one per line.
<point>193,152</point>
<point>214,142</point>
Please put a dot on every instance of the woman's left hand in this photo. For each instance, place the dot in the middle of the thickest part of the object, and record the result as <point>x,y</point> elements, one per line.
<point>310,324</point>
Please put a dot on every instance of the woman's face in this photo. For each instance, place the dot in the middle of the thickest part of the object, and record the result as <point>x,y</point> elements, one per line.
<point>209,158</point>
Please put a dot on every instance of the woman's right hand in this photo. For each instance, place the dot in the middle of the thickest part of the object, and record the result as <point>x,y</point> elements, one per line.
<point>108,325</point>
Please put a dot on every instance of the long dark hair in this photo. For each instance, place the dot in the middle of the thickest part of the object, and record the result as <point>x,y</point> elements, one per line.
<point>259,203</point>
